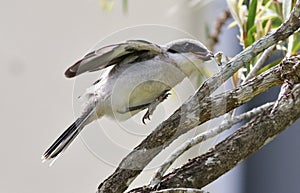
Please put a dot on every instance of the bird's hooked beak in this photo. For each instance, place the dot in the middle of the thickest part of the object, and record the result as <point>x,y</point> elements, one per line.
<point>205,56</point>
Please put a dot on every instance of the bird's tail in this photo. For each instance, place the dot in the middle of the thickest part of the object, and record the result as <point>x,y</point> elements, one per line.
<point>66,138</point>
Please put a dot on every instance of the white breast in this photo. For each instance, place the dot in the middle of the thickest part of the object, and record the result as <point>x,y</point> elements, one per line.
<point>134,85</point>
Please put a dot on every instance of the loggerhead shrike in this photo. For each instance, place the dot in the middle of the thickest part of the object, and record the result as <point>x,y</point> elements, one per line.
<point>139,77</point>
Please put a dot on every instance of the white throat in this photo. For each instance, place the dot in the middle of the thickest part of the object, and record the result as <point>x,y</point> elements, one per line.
<point>187,62</point>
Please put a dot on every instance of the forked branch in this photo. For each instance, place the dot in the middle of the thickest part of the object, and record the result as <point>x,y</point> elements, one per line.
<point>190,113</point>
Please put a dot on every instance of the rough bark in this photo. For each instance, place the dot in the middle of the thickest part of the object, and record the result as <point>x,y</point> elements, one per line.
<point>204,169</point>
<point>182,120</point>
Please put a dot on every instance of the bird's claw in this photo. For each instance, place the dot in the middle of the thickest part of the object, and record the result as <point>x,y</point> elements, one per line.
<point>163,97</point>
<point>154,104</point>
<point>146,116</point>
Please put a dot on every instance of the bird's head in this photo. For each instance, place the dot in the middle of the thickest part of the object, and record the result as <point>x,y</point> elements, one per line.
<point>190,47</point>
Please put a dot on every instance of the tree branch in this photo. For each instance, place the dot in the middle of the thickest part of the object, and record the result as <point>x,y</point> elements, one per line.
<point>203,137</point>
<point>250,138</point>
<point>182,120</point>
<point>259,63</point>
<point>204,169</point>
<point>180,190</point>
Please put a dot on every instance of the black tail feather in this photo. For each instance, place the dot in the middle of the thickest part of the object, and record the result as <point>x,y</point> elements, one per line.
<point>65,139</point>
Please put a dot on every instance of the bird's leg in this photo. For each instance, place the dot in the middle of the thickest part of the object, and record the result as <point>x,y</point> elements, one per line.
<point>152,106</point>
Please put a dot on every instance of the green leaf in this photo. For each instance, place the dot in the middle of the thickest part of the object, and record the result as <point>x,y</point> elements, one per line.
<point>286,8</point>
<point>276,22</point>
<point>207,30</point>
<point>125,6</point>
<point>251,15</point>
<point>268,66</point>
<point>296,46</point>
<point>106,5</point>
<point>250,36</point>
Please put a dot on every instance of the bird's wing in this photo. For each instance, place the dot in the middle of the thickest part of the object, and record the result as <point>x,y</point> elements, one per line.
<point>128,51</point>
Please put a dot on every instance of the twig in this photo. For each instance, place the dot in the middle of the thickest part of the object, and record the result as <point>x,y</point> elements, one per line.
<point>250,138</point>
<point>289,80</point>
<point>209,166</point>
<point>265,55</point>
<point>180,190</point>
<point>203,137</point>
<point>259,63</point>
<point>204,169</point>
<point>189,115</point>
<point>199,113</point>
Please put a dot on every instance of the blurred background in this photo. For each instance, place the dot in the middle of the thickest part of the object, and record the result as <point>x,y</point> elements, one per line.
<point>40,39</point>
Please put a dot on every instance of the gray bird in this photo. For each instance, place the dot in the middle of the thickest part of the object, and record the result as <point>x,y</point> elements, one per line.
<point>138,75</point>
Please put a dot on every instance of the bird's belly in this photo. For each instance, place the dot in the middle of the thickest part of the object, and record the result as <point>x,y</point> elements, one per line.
<point>137,85</point>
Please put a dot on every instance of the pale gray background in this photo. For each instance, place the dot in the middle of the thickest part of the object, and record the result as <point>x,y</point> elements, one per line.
<point>38,40</point>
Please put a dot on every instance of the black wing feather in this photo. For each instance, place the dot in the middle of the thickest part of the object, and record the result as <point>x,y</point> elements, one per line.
<point>113,54</point>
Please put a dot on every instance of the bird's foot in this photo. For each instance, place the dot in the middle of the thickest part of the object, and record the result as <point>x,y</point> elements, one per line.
<point>154,104</point>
